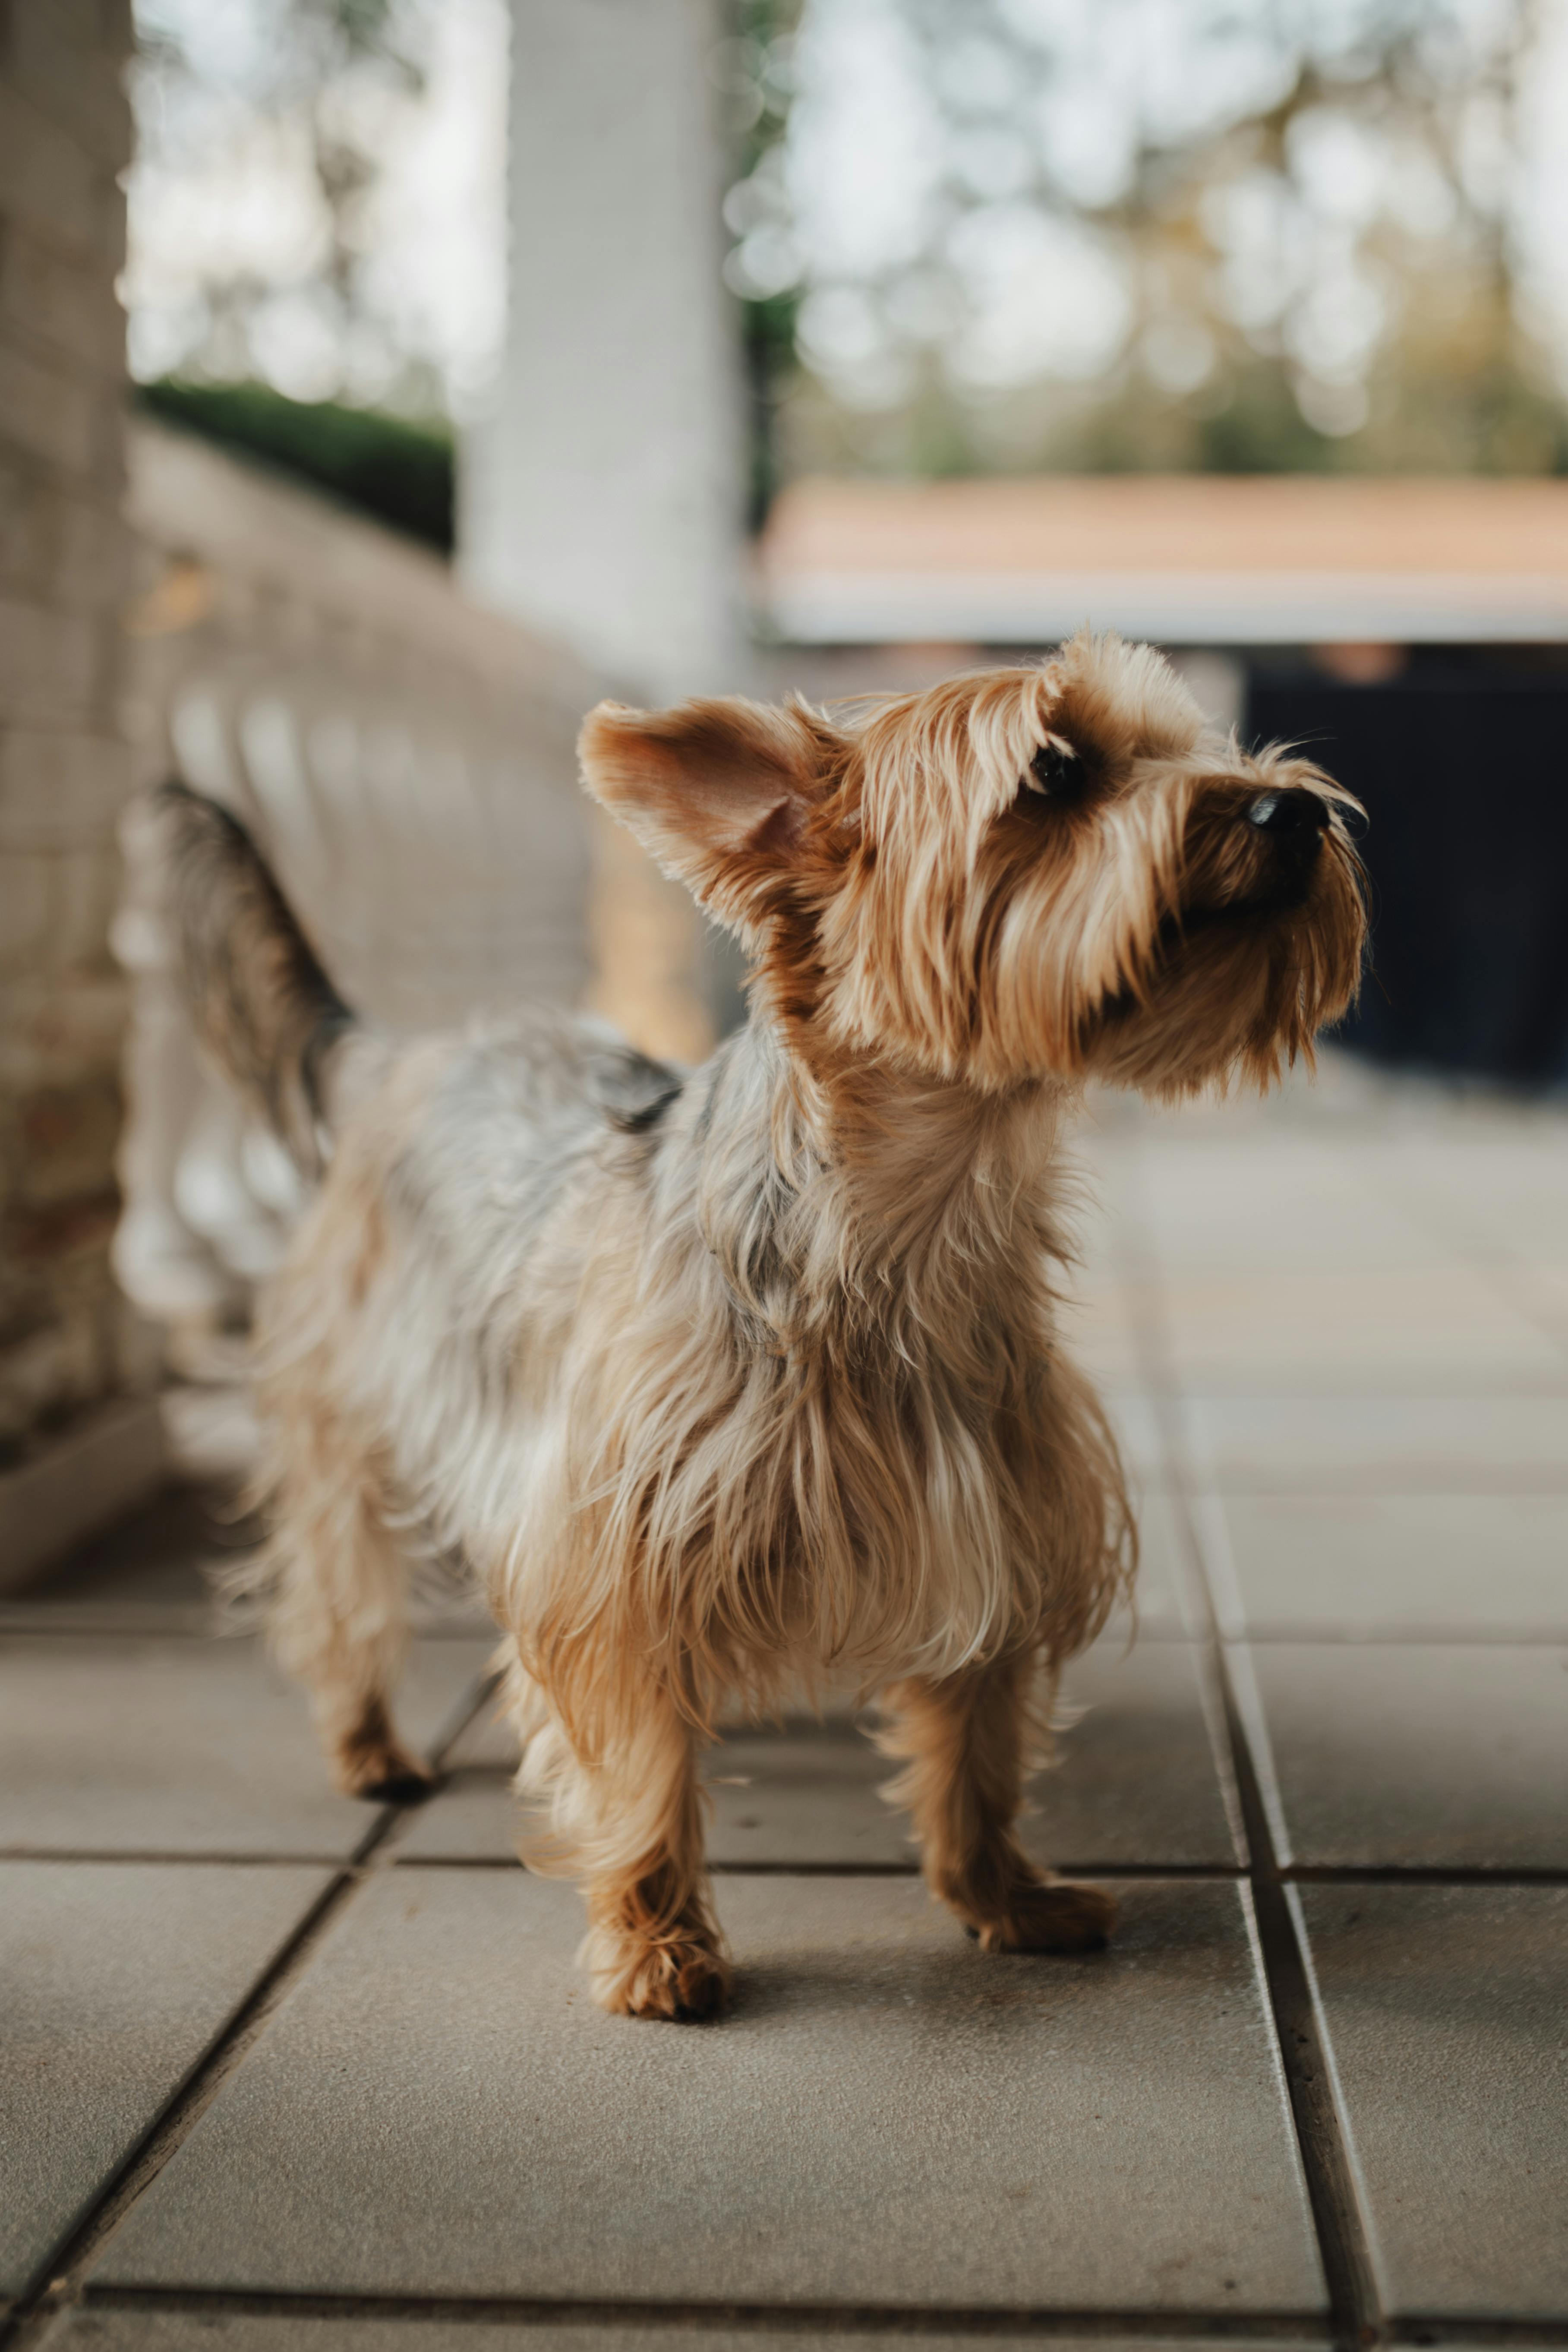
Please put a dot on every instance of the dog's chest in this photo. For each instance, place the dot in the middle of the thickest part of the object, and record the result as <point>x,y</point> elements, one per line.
<point>847,1514</point>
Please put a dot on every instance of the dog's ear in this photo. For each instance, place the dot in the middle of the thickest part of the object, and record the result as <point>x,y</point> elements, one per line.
<point>717,791</point>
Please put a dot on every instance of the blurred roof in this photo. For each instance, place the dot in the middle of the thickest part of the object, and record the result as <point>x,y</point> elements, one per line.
<point>1188,559</point>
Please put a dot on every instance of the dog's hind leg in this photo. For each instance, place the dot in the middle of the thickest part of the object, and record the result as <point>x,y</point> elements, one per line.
<point>963,1745</point>
<point>629,1826</point>
<point>338,1615</point>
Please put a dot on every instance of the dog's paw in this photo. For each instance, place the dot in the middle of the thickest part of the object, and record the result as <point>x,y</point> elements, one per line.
<point>405,1784</point>
<point>1056,1918</point>
<point>386,1775</point>
<point>370,1761</point>
<point>677,1977</point>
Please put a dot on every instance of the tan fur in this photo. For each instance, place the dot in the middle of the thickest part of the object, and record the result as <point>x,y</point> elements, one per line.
<point>722,1382</point>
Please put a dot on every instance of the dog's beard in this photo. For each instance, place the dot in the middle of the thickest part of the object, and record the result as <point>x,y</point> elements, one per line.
<point>1166,974</point>
<point>1238,986</point>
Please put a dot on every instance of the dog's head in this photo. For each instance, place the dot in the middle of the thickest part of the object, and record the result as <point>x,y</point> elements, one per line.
<point>1018,874</point>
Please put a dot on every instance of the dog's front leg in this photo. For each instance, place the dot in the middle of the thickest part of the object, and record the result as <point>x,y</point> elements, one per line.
<point>627,1823</point>
<point>961,1741</point>
<point>653,1947</point>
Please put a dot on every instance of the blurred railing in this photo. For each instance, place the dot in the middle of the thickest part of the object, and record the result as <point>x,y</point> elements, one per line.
<point>406,763</point>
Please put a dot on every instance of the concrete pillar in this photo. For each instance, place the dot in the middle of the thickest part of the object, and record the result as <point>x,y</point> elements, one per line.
<point>602,502</point>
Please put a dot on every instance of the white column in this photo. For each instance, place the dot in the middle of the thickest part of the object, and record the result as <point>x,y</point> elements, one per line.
<point>602,502</point>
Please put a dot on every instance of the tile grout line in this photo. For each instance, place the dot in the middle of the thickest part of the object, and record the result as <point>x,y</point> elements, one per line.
<point>1487,2334</point>
<point>58,2281</point>
<point>160,1857</point>
<point>1326,2161</point>
<point>1160,2326</point>
<point>1419,1874</point>
<point>1295,1874</point>
<point>762,2318</point>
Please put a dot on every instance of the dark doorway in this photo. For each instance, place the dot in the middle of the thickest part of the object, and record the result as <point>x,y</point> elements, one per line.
<point>1464,775</point>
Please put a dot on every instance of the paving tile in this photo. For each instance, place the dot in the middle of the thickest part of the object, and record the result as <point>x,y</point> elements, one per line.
<point>139,1745</point>
<point>151,1573</point>
<point>1233,1207</point>
<point>1361,1565</point>
<point>1105,1208</point>
<point>117,1979</point>
<point>106,2329</point>
<point>1543,1289</point>
<point>1136,1422</point>
<point>1385,1444</point>
<point>474,1818</point>
<point>1100,1329</point>
<point>806,1795</point>
<point>1501,1194</point>
<point>1445,2009</point>
<point>888,2117</point>
<point>1139,1779</point>
<point>1331,1328</point>
<point>1162,1542</point>
<point>1416,1244</point>
<point>158,1572</point>
<point>1434,1755</point>
<point>1137,1782</point>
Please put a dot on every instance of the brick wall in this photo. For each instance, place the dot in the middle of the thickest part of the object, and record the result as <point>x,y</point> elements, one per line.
<point>65,136</point>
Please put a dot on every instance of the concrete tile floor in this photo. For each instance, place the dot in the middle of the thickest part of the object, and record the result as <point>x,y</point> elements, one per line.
<point>135,1745</point>
<point>1447,2008</point>
<point>1436,1756</point>
<point>883,2119</point>
<point>118,1978</point>
<point>1314,1565</point>
<point>275,2072</point>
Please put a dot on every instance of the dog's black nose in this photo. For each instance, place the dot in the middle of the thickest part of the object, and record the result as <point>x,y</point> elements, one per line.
<point>1296,810</point>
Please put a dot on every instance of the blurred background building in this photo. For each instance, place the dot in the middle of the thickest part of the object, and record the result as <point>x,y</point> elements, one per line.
<point>480,360</point>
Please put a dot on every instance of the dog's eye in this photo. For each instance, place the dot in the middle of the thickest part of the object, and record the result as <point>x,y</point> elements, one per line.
<point>1056,772</point>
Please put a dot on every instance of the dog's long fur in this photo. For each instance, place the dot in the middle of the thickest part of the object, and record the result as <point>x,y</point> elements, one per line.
<point>725,1381</point>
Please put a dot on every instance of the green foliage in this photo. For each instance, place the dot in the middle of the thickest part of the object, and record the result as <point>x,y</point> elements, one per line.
<point>767,347</point>
<point>400,474</point>
<point>756,79</point>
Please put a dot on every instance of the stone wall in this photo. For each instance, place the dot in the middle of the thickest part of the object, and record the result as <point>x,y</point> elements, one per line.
<point>66,1341</point>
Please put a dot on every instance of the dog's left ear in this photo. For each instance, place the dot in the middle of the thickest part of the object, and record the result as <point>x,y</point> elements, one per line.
<point>717,791</point>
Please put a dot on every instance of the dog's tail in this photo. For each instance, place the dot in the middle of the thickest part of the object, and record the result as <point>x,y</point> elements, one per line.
<point>261,1003</point>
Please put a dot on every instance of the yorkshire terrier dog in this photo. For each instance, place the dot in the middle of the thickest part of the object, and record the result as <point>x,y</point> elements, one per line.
<point>725,1380</point>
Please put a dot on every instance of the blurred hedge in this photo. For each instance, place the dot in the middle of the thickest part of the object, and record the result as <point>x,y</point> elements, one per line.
<point>399,472</point>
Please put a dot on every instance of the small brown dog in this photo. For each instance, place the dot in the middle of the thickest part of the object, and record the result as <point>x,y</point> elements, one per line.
<point>720,1380</point>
